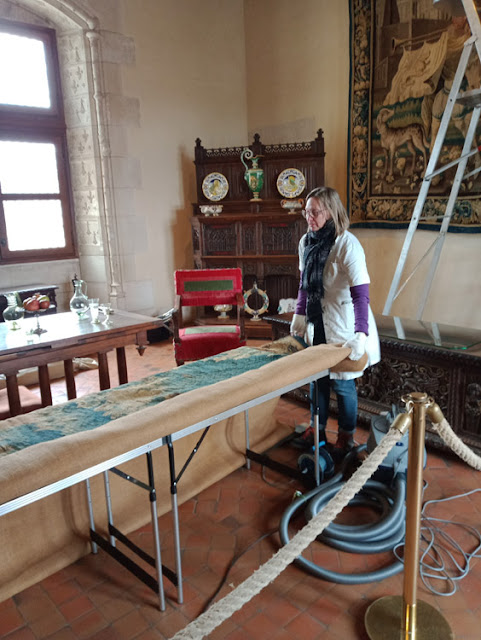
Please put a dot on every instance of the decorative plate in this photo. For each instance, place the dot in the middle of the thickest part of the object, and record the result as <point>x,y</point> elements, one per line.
<point>215,186</point>
<point>291,183</point>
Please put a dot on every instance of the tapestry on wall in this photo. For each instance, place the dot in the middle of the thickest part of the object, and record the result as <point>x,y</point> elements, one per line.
<point>404,54</point>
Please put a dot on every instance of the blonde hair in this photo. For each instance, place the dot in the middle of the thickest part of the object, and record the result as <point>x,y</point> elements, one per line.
<point>329,198</point>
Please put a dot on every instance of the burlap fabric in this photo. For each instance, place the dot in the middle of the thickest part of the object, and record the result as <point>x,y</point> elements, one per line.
<point>46,536</point>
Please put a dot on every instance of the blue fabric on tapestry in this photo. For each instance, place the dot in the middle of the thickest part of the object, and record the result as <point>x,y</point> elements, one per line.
<point>97,409</point>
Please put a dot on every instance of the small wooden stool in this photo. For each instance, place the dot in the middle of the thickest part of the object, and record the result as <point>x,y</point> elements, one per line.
<point>28,400</point>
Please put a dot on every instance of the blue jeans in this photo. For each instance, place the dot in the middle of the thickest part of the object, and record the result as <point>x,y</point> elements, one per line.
<point>346,394</point>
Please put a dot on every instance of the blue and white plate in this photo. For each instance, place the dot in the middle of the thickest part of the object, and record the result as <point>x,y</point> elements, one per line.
<point>215,186</point>
<point>291,183</point>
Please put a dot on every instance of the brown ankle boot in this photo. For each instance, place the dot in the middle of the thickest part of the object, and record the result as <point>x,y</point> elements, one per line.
<point>345,441</point>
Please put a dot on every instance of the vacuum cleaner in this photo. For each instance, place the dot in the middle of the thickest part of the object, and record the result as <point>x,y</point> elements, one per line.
<point>385,494</point>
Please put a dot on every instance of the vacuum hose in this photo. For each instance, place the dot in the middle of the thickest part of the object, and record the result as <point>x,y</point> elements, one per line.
<point>377,537</point>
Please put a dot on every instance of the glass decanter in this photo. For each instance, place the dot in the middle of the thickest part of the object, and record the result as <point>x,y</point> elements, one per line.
<point>79,303</point>
<point>14,312</point>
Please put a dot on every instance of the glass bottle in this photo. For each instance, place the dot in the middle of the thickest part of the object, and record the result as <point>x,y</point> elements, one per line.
<point>79,303</point>
<point>13,313</point>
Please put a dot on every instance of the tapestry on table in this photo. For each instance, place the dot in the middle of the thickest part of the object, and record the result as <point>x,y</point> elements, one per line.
<point>97,409</point>
<point>403,59</point>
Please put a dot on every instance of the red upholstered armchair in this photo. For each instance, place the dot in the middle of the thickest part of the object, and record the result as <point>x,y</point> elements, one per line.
<point>203,288</point>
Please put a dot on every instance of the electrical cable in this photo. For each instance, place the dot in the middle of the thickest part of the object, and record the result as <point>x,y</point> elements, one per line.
<point>231,564</point>
<point>438,561</point>
<point>275,485</point>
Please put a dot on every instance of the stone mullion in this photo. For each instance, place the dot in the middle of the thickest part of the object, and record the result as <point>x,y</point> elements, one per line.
<point>81,146</point>
<point>105,166</point>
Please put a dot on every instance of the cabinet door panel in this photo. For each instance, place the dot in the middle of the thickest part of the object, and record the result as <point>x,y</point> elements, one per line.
<point>279,238</point>
<point>219,239</point>
<point>248,238</point>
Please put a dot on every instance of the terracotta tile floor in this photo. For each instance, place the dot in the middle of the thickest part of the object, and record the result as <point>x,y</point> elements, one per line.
<point>96,598</point>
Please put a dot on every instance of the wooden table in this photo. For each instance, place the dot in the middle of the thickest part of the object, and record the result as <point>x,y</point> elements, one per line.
<point>68,337</point>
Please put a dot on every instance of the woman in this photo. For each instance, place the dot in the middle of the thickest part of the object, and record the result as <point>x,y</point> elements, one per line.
<point>333,306</point>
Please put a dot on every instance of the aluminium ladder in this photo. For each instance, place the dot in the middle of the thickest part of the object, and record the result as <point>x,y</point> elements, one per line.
<point>468,98</point>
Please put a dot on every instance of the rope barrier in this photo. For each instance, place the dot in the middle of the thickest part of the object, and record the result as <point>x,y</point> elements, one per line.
<point>455,443</point>
<point>267,572</point>
<point>270,570</point>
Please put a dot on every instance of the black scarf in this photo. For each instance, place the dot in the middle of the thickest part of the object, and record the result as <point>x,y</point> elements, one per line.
<point>318,245</point>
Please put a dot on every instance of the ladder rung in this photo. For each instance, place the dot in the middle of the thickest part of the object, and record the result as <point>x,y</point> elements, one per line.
<point>470,98</point>
<point>434,219</point>
<point>447,166</point>
<point>471,173</point>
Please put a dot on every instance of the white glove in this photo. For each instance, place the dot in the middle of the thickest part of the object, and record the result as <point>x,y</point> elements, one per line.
<point>357,345</point>
<point>298,325</point>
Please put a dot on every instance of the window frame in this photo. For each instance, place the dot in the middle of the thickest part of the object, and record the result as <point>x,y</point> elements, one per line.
<point>33,124</point>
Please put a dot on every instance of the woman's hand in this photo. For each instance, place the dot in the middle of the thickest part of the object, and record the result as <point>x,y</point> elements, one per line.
<point>298,325</point>
<point>357,345</point>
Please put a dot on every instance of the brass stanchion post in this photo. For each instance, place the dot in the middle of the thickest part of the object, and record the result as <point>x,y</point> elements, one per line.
<point>406,618</point>
<point>413,512</point>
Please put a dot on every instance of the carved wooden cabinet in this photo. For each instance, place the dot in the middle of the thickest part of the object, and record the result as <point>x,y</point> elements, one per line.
<point>263,246</point>
<point>259,236</point>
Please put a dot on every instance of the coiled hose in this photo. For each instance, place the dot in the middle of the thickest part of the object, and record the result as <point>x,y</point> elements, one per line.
<point>377,537</point>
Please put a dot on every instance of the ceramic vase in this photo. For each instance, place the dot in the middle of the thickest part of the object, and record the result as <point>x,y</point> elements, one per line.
<point>254,176</point>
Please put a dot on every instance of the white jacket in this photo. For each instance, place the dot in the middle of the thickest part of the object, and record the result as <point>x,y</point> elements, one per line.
<point>345,267</point>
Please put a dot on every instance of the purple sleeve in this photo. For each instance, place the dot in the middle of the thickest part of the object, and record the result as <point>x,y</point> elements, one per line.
<point>301,303</point>
<point>360,300</point>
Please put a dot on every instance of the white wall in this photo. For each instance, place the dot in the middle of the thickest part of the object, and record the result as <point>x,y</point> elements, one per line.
<point>298,75</point>
<point>455,296</point>
<point>189,76</point>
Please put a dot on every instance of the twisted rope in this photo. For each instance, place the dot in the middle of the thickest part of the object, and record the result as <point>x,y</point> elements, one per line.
<point>267,572</point>
<point>457,445</point>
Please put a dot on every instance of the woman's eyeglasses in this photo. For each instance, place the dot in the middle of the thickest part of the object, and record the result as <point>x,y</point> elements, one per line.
<point>312,213</point>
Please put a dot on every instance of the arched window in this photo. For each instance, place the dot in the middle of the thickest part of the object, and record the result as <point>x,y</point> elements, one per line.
<point>36,221</point>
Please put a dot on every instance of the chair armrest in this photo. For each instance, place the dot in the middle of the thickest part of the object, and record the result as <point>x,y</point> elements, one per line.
<point>177,317</point>
<point>241,315</point>
<point>240,301</point>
